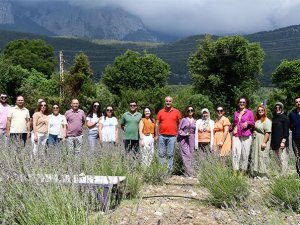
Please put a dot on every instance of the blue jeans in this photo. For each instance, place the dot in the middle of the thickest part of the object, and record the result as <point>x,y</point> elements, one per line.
<point>53,141</point>
<point>93,138</point>
<point>166,144</point>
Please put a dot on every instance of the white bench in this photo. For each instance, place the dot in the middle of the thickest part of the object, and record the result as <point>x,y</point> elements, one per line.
<point>94,182</point>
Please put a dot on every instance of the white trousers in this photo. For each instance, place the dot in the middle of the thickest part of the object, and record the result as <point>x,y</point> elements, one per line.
<point>240,152</point>
<point>282,156</point>
<point>147,151</point>
<point>40,143</point>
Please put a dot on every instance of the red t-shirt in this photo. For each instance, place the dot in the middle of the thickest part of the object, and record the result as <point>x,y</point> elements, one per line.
<point>168,121</point>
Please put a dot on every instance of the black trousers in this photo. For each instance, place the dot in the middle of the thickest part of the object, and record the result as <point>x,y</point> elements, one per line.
<point>296,149</point>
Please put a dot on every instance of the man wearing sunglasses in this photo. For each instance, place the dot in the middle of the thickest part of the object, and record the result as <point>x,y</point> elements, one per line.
<point>294,117</point>
<point>130,124</point>
<point>4,110</point>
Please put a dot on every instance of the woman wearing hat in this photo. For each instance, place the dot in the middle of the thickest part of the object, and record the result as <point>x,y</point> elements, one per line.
<point>280,136</point>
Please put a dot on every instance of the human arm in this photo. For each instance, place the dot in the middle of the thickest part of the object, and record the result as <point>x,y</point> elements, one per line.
<point>226,131</point>
<point>35,118</point>
<point>156,130</point>
<point>141,127</point>
<point>8,124</point>
<point>285,135</point>
<point>117,134</point>
<point>250,120</point>
<point>90,124</point>
<point>100,131</point>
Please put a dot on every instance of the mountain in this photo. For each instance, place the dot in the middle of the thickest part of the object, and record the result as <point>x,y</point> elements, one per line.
<point>278,45</point>
<point>64,19</point>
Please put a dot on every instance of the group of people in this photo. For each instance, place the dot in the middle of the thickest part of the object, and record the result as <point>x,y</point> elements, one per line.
<point>248,139</point>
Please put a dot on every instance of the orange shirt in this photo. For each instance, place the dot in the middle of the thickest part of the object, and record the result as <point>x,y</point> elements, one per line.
<point>168,121</point>
<point>204,137</point>
<point>149,127</point>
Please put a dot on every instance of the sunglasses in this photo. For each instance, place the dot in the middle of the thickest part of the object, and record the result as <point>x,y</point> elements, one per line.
<point>43,105</point>
<point>132,105</point>
<point>220,110</point>
<point>297,101</point>
<point>242,102</point>
<point>96,105</point>
<point>109,110</point>
<point>54,107</point>
<point>190,110</point>
<point>4,97</point>
<point>260,110</point>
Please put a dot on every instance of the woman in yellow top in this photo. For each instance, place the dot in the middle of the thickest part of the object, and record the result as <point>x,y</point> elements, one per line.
<point>40,127</point>
<point>222,138</point>
<point>147,134</point>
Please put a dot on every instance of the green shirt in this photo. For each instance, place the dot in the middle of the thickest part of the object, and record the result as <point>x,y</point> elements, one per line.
<point>131,125</point>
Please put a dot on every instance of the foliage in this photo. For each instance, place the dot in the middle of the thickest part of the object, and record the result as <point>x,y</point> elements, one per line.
<point>155,173</point>
<point>38,86</point>
<point>79,82</point>
<point>285,191</point>
<point>287,78</point>
<point>11,78</point>
<point>31,54</point>
<point>225,68</point>
<point>225,188</point>
<point>136,72</point>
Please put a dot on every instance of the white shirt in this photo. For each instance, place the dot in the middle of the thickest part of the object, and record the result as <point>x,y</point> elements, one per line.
<point>93,119</point>
<point>55,124</point>
<point>109,129</point>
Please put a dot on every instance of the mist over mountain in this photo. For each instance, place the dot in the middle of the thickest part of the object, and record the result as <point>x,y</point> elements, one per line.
<point>64,19</point>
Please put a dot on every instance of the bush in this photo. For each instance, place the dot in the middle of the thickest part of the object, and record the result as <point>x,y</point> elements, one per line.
<point>285,192</point>
<point>225,188</point>
<point>155,173</point>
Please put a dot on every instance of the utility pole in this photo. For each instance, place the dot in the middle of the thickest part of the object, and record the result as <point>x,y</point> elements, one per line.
<point>61,72</point>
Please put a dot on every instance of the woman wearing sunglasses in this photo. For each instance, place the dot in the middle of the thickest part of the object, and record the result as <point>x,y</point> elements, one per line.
<point>222,141</point>
<point>261,143</point>
<point>57,127</point>
<point>92,122</point>
<point>40,127</point>
<point>243,124</point>
<point>186,138</point>
<point>108,128</point>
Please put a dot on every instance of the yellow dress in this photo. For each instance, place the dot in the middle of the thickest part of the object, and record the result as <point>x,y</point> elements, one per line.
<point>218,136</point>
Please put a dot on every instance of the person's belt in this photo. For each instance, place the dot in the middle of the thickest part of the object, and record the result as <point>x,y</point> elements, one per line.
<point>147,134</point>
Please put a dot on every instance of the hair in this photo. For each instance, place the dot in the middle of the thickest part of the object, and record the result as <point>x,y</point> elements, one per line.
<point>40,106</point>
<point>257,116</point>
<point>186,111</point>
<point>90,112</point>
<point>132,101</point>
<point>296,97</point>
<point>246,100</point>
<point>56,104</point>
<point>151,116</point>
<point>112,114</point>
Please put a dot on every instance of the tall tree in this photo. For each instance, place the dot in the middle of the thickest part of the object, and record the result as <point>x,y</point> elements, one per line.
<point>135,71</point>
<point>226,68</point>
<point>31,54</point>
<point>287,78</point>
<point>79,82</point>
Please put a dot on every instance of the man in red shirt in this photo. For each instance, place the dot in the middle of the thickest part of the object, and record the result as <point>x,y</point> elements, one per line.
<point>166,130</point>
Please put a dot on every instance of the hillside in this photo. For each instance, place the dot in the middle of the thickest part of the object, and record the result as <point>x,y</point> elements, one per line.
<point>278,45</point>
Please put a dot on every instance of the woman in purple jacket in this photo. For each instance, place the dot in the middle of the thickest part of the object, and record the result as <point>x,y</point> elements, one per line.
<point>242,127</point>
<point>186,138</point>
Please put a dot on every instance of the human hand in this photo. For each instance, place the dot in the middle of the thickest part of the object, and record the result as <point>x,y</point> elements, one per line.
<point>245,125</point>
<point>263,146</point>
<point>282,145</point>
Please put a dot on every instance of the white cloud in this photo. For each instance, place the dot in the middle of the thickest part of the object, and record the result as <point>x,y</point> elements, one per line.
<point>188,17</point>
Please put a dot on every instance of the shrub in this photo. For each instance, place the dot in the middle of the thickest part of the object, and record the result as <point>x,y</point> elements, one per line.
<point>285,191</point>
<point>225,188</point>
<point>155,173</point>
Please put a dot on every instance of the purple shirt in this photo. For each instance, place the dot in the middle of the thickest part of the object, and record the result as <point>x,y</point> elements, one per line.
<point>246,117</point>
<point>75,121</point>
<point>4,110</point>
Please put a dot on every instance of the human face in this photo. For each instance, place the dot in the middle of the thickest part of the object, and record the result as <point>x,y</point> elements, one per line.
<point>205,115</point>
<point>168,102</point>
<point>278,109</point>
<point>75,104</point>
<point>96,106</point>
<point>147,112</point>
<point>109,111</point>
<point>190,111</point>
<point>242,103</point>
<point>20,101</point>
<point>261,111</point>
<point>132,106</point>
<point>3,98</point>
<point>220,111</point>
<point>297,102</point>
<point>55,109</point>
<point>43,106</point>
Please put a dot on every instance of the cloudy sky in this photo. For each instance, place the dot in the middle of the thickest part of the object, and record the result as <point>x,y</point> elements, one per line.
<point>188,17</point>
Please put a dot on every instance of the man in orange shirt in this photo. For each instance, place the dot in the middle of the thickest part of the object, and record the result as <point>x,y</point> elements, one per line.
<point>166,130</point>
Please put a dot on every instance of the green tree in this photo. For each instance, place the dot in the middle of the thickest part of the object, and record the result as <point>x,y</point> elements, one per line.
<point>135,71</point>
<point>31,54</point>
<point>287,78</point>
<point>225,68</point>
<point>79,83</point>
